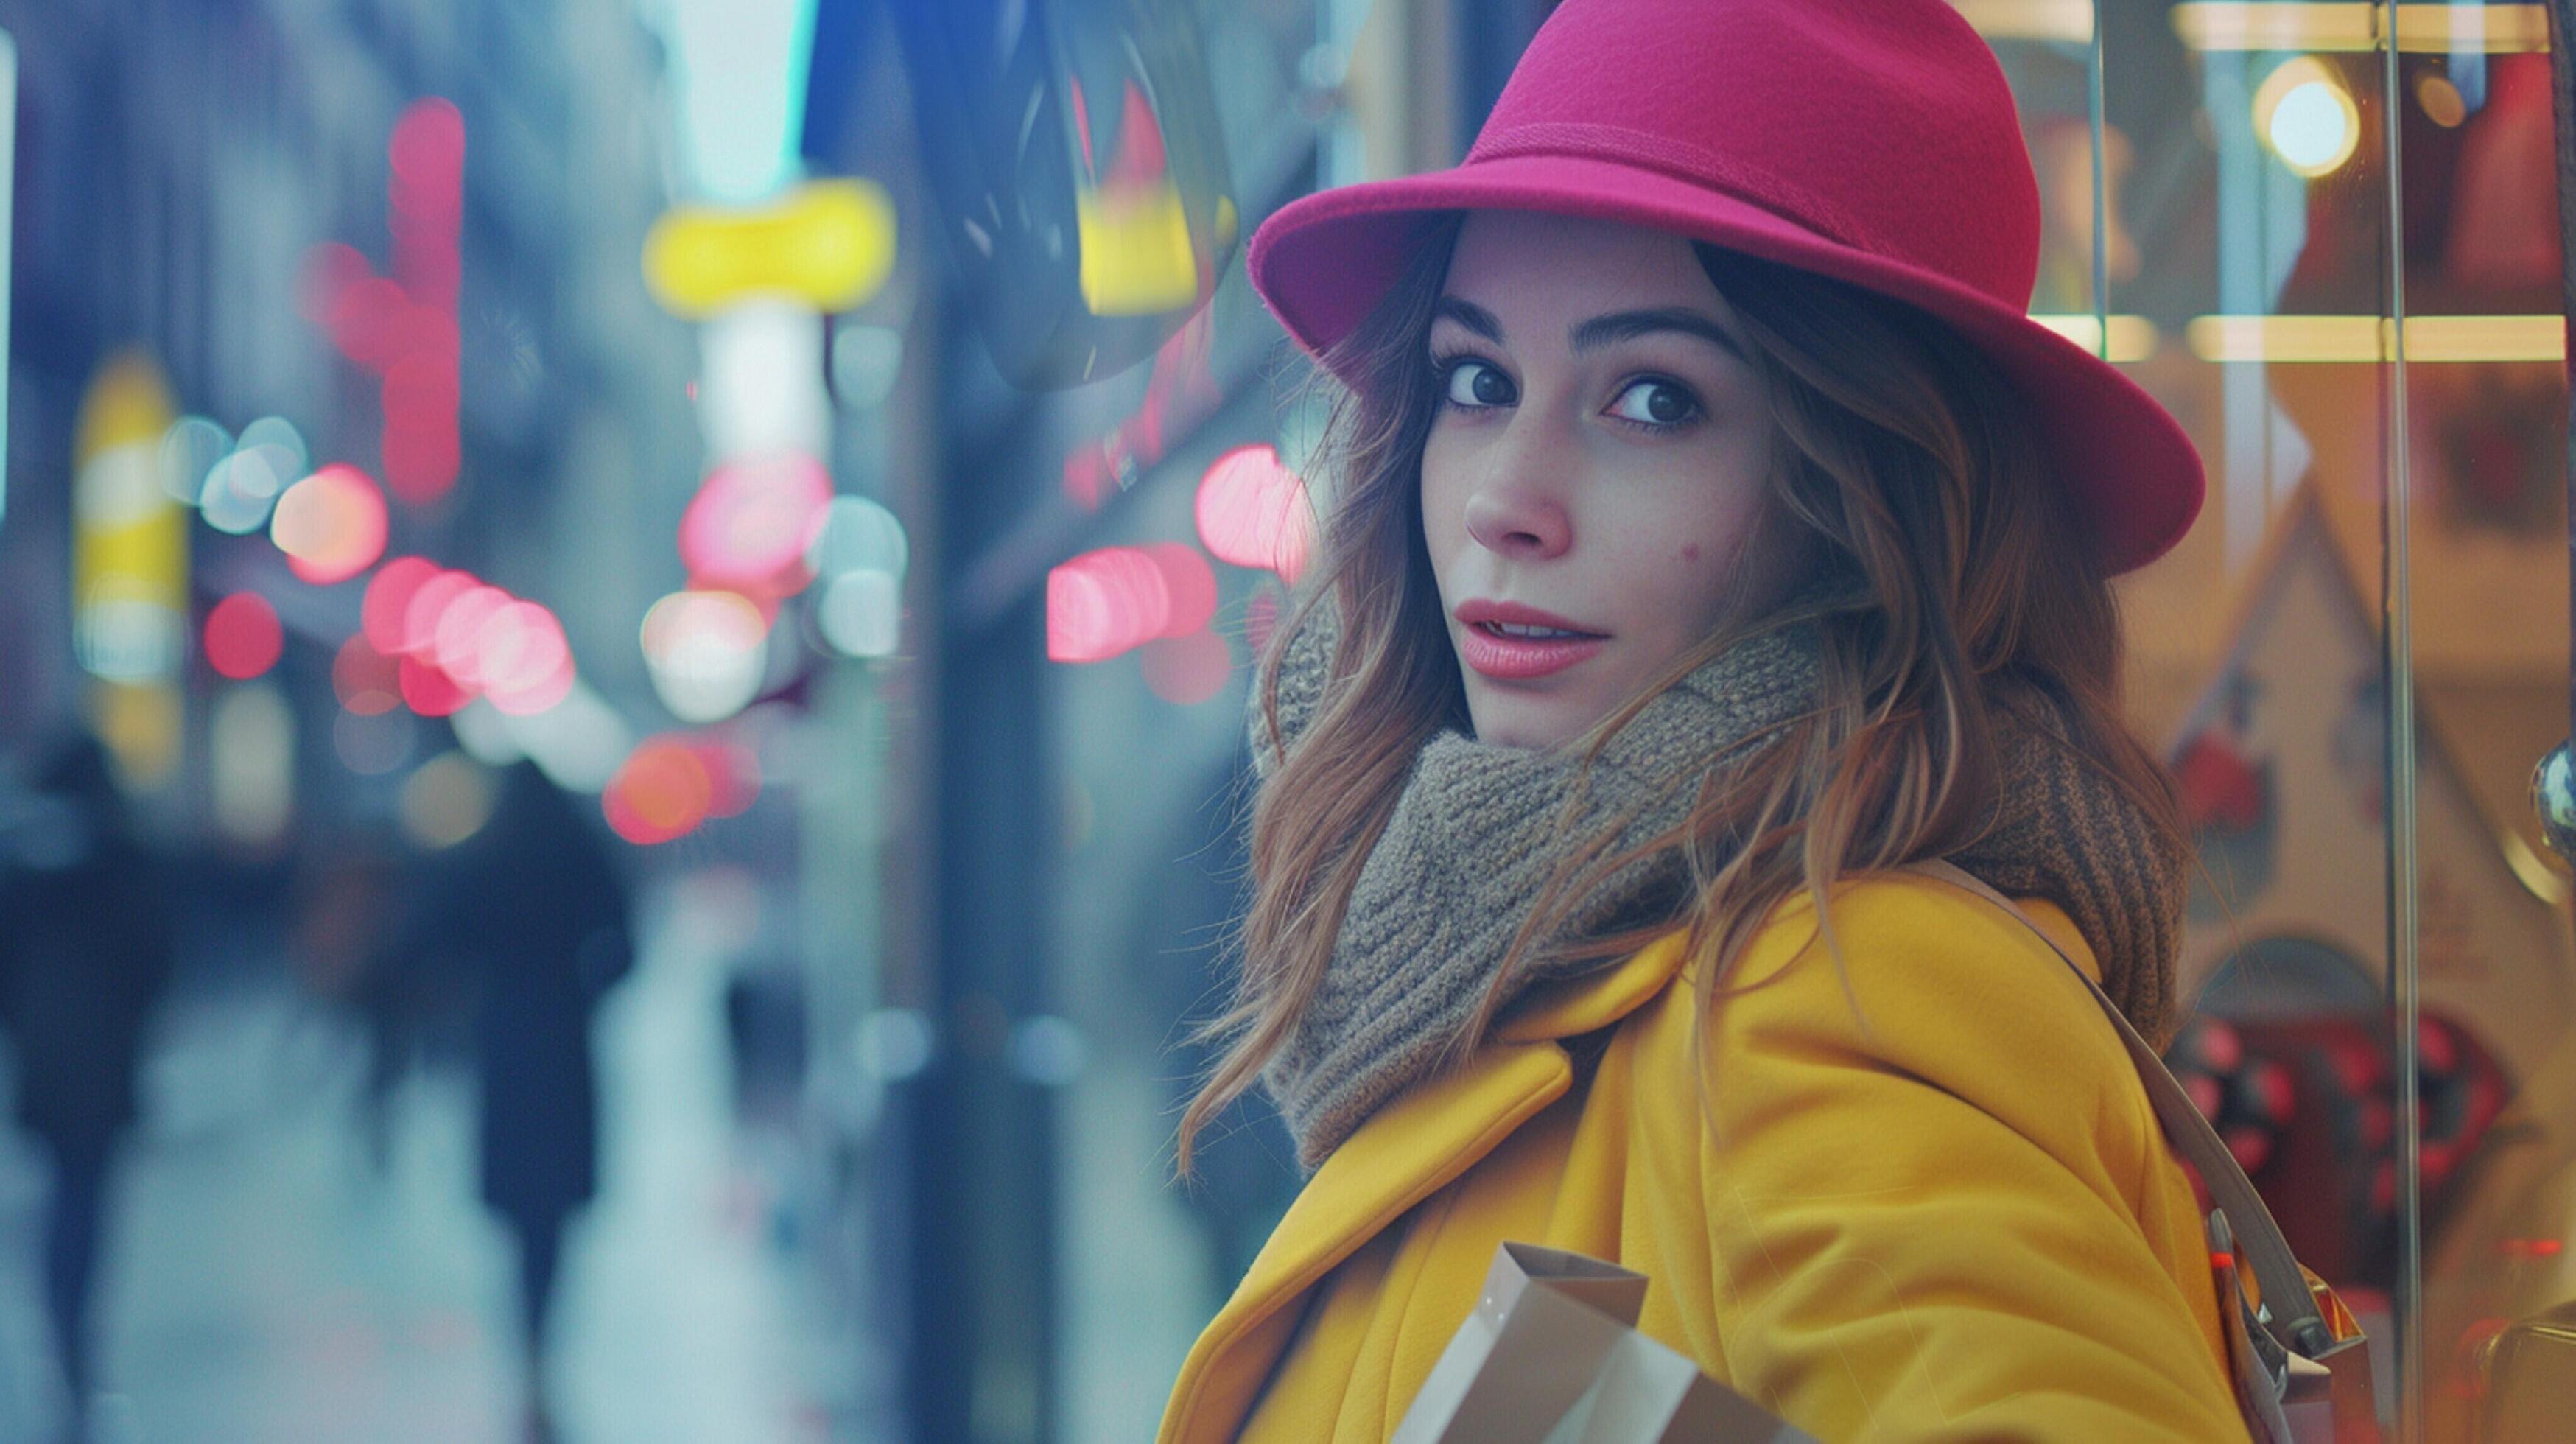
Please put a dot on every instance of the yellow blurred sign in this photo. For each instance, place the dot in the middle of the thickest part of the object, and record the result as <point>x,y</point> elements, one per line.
<point>829,244</point>
<point>129,567</point>
<point>1136,256</point>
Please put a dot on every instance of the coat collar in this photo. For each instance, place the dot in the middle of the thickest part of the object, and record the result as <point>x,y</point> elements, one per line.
<point>1405,1152</point>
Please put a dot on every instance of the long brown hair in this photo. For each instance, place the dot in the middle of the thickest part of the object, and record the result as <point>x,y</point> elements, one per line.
<point>1947,561</point>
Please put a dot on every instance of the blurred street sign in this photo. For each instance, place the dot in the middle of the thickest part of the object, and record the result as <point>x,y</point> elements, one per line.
<point>828,245</point>
<point>1083,193</point>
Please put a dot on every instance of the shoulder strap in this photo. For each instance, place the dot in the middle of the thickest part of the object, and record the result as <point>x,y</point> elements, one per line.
<point>2286,1298</point>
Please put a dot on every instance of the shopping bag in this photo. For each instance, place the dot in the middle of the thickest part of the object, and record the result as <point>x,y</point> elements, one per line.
<point>1551,1355</point>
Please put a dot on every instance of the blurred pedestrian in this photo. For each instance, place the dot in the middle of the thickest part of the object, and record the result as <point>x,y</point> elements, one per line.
<point>532,913</point>
<point>86,947</point>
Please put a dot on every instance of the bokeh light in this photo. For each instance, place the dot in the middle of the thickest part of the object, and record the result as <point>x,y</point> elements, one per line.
<point>661,792</point>
<point>522,660</point>
<point>427,605</point>
<point>243,638</point>
<point>445,801</point>
<point>1253,512</point>
<point>243,485</point>
<point>1105,603</point>
<point>331,525</point>
<point>389,593</point>
<point>861,614</point>
<point>704,651</point>
<point>750,525</point>
<point>2304,112</point>
<point>858,557</point>
<point>858,535</point>
<point>366,681</point>
<point>402,326</point>
<point>733,773</point>
<point>1190,584</point>
<point>455,643</point>
<point>189,450</point>
<point>250,747</point>
<point>427,690</point>
<point>578,743</point>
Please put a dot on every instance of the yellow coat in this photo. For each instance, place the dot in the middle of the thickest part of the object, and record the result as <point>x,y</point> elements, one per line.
<point>1961,1223</point>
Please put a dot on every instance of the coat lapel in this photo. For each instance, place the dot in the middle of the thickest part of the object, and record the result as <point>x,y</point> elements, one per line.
<point>1400,1156</point>
<point>1405,1152</point>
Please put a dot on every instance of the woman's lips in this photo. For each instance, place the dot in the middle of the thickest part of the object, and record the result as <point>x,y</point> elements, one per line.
<point>1513,659</point>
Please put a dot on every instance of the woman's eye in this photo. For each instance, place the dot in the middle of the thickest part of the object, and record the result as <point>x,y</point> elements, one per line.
<point>1655,403</point>
<point>1475,384</point>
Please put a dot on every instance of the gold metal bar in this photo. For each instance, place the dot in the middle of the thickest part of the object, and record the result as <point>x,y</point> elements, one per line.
<point>2069,21</point>
<point>2442,29</point>
<point>2133,338</point>
<point>2373,338</point>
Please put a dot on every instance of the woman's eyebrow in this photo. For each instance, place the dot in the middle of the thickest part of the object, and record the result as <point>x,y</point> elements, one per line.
<point>1470,315</point>
<point>1628,325</point>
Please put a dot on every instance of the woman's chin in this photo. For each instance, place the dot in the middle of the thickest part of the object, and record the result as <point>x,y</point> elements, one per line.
<point>1524,723</point>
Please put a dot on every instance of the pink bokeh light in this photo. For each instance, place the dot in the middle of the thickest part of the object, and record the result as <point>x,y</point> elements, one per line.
<point>749,526</point>
<point>1105,603</point>
<point>1253,512</point>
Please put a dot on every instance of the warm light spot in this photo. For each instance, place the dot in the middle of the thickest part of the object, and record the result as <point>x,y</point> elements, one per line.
<point>733,774</point>
<point>1189,668</point>
<point>1253,512</point>
<point>661,792</point>
<point>750,525</point>
<point>2441,100</point>
<point>704,651</point>
<point>523,660</point>
<point>243,638</point>
<point>427,690</point>
<point>427,156</point>
<point>368,682</point>
<point>460,625</point>
<point>250,771</point>
<point>331,525</point>
<point>1105,603</point>
<point>389,593</point>
<point>446,800</point>
<point>428,603</point>
<point>1189,582</point>
<point>2307,116</point>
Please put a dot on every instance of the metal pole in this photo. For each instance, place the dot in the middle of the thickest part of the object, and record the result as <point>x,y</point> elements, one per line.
<point>2553,783</point>
<point>2397,608</point>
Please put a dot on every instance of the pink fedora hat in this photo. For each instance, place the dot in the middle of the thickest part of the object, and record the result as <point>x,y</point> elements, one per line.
<point>1874,141</point>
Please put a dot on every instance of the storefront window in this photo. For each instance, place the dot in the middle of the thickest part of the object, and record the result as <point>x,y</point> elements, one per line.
<point>2357,655</point>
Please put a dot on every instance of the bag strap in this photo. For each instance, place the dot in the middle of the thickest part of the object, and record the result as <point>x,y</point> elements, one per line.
<point>2286,1299</point>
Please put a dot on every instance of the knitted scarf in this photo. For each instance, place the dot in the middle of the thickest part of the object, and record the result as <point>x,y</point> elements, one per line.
<point>1479,832</point>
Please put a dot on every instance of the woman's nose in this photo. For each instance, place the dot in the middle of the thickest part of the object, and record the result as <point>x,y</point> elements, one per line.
<point>1512,522</point>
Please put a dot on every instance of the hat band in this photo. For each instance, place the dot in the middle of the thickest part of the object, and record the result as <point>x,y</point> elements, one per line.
<point>1681,160</point>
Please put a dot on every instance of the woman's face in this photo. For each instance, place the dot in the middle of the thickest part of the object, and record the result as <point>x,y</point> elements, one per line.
<point>1599,461</point>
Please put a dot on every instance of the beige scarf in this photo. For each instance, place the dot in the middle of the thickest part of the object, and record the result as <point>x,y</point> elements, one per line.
<point>1477,834</point>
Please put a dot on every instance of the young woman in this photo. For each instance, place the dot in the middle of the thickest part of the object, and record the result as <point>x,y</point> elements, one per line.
<point>1714,536</point>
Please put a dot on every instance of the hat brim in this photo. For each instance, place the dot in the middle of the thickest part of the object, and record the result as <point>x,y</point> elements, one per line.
<point>1323,261</point>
